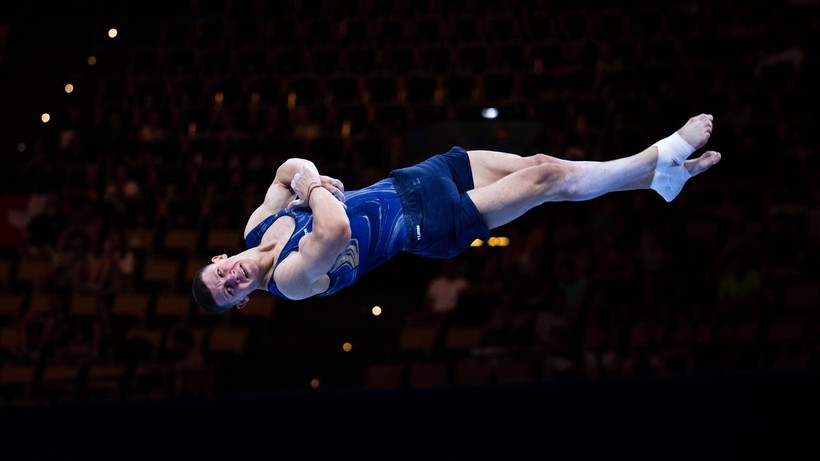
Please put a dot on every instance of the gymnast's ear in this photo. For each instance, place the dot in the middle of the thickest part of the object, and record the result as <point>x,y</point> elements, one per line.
<point>242,302</point>
<point>218,257</point>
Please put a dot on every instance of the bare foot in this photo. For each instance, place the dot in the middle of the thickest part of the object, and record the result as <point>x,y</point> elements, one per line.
<point>697,130</point>
<point>698,165</point>
<point>670,181</point>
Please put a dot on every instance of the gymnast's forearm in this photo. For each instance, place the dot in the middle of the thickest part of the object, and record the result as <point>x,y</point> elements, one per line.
<point>286,171</point>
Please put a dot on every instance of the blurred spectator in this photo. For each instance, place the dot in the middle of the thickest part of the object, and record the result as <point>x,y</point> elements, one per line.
<point>45,228</point>
<point>152,128</point>
<point>443,295</point>
<point>184,365</point>
<point>42,326</point>
<point>739,285</point>
<point>446,289</point>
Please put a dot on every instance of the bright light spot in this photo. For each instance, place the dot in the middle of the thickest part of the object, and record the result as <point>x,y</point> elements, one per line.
<point>92,60</point>
<point>314,383</point>
<point>45,117</point>
<point>112,32</point>
<point>477,243</point>
<point>377,311</point>
<point>498,241</point>
<point>347,347</point>
<point>69,88</point>
<point>489,112</point>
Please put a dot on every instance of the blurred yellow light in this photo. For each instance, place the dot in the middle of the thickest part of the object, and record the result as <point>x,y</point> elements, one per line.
<point>346,346</point>
<point>112,32</point>
<point>21,147</point>
<point>45,117</point>
<point>477,243</point>
<point>69,88</point>
<point>92,60</point>
<point>314,383</point>
<point>377,311</point>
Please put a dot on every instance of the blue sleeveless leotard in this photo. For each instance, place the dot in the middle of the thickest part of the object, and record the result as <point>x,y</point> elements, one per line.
<point>378,233</point>
<point>423,209</point>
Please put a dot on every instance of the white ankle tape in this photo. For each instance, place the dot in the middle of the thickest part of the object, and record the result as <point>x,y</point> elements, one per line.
<point>670,183</point>
<point>672,150</point>
<point>670,174</point>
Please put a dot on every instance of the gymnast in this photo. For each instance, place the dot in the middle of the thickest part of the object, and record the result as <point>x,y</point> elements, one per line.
<point>310,237</point>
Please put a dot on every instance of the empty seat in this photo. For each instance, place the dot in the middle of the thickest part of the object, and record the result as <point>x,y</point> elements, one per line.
<point>17,379</point>
<point>515,370</point>
<point>384,376</point>
<point>130,308</point>
<point>463,339</point>
<point>160,272</point>
<point>472,372</point>
<point>180,239</point>
<point>104,379</point>
<point>419,88</point>
<point>230,340</point>
<point>172,308</point>
<point>381,89</point>
<point>60,380</point>
<point>11,306</point>
<point>223,240</point>
<point>418,340</point>
<point>343,89</point>
<point>83,305</point>
<point>459,88</point>
<point>33,272</point>
<point>426,374</point>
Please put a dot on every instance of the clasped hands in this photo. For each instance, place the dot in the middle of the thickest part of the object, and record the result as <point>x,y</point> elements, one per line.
<point>308,176</point>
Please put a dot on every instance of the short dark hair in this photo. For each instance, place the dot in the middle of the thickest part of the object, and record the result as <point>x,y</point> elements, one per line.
<point>203,296</point>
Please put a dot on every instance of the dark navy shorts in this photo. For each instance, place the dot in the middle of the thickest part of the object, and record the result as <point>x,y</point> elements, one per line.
<point>442,220</point>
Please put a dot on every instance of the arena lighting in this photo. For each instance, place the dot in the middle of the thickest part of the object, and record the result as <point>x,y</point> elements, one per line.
<point>489,112</point>
<point>314,383</point>
<point>492,241</point>
<point>45,118</point>
<point>376,311</point>
<point>69,88</point>
<point>498,241</point>
<point>347,346</point>
<point>112,32</point>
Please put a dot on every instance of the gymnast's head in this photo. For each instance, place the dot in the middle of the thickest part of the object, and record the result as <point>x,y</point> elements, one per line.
<point>225,284</point>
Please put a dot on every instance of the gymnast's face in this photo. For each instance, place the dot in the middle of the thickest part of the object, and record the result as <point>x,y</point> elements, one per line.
<point>232,279</point>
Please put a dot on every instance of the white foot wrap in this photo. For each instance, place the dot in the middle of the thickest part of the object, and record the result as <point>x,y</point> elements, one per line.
<point>670,174</point>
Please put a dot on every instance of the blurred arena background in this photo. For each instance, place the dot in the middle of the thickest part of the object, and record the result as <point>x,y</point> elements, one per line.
<point>137,137</point>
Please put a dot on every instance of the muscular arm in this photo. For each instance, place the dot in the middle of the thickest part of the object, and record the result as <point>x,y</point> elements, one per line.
<point>304,273</point>
<point>280,192</point>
